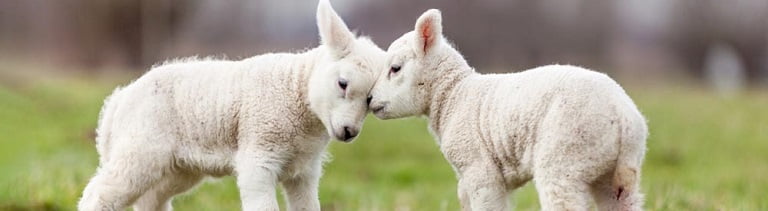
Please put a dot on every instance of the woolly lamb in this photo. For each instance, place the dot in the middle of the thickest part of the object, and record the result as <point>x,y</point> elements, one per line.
<point>573,131</point>
<point>265,119</point>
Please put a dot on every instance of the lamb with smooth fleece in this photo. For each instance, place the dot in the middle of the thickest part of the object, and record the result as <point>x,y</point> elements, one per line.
<point>265,119</point>
<point>575,132</point>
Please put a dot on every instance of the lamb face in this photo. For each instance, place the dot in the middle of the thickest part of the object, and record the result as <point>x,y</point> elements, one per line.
<point>404,89</point>
<point>340,85</point>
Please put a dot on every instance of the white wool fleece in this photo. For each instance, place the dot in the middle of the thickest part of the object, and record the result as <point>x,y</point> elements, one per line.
<point>265,120</point>
<point>575,132</point>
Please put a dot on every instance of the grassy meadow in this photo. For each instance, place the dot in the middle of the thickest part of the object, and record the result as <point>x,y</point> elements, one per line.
<point>706,152</point>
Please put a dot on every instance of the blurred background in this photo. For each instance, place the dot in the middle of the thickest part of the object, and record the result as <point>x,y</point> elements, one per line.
<point>698,69</point>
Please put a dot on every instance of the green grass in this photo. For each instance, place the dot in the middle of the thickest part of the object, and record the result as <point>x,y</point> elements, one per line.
<point>705,153</point>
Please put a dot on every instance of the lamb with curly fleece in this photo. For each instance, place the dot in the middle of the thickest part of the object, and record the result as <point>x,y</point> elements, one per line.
<point>265,120</point>
<point>573,131</point>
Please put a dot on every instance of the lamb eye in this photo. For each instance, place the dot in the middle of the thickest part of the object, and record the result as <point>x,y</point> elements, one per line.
<point>343,84</point>
<point>394,68</point>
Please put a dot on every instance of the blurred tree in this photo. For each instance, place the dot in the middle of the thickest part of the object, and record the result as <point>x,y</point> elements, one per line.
<point>642,37</point>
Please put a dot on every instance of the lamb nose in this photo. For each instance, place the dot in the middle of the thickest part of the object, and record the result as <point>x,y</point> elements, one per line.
<point>349,133</point>
<point>368,100</point>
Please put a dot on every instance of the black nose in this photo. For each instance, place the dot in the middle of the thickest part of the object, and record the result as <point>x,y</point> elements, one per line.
<point>349,133</point>
<point>368,100</point>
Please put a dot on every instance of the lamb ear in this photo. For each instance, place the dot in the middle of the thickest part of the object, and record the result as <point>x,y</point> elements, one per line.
<point>429,31</point>
<point>333,32</point>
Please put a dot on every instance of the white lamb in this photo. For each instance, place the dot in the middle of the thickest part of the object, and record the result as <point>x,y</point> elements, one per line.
<point>575,132</point>
<point>265,119</point>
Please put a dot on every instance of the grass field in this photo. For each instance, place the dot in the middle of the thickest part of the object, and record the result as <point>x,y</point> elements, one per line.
<point>705,153</point>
